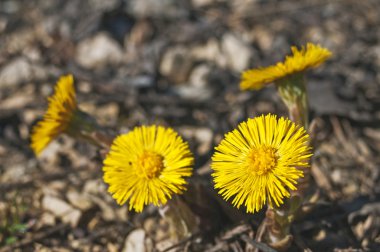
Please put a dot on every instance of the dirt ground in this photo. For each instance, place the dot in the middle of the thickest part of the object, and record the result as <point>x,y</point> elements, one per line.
<point>178,63</point>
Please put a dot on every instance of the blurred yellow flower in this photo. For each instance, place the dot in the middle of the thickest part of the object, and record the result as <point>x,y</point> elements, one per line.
<point>259,161</point>
<point>62,106</point>
<point>301,60</point>
<point>147,165</point>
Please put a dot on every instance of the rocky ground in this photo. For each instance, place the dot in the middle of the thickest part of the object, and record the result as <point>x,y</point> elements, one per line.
<point>177,63</point>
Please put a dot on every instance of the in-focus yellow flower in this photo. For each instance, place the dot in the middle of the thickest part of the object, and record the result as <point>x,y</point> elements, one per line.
<point>259,161</point>
<point>62,106</point>
<point>301,60</point>
<point>147,165</point>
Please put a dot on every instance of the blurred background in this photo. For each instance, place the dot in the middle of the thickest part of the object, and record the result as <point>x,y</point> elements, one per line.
<point>178,63</point>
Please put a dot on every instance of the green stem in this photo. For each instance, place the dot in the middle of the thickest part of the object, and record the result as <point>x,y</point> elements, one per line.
<point>293,92</point>
<point>275,229</point>
<point>85,127</point>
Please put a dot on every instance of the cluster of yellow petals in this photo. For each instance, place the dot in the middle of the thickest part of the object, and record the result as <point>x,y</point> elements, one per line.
<point>301,60</point>
<point>62,105</point>
<point>256,163</point>
<point>147,166</point>
<point>259,162</point>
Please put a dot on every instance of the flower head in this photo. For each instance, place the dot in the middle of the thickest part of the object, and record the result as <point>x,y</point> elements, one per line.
<point>301,60</point>
<point>259,161</point>
<point>62,106</point>
<point>147,165</point>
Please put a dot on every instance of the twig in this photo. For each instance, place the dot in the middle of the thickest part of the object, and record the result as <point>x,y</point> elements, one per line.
<point>184,241</point>
<point>262,246</point>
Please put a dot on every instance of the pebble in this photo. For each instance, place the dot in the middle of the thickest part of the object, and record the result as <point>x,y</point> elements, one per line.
<point>95,186</point>
<point>80,201</point>
<point>197,88</point>
<point>15,72</point>
<point>198,77</point>
<point>48,219</point>
<point>204,136</point>
<point>193,93</point>
<point>202,3</point>
<point>176,64</point>
<point>264,37</point>
<point>14,173</point>
<point>49,156</point>
<point>157,8</point>
<point>3,24</point>
<point>210,51</point>
<point>135,241</point>
<point>17,101</point>
<point>201,134</point>
<point>108,114</point>
<point>150,226</point>
<point>336,176</point>
<point>61,209</point>
<point>141,81</point>
<point>3,150</point>
<point>99,51</point>
<point>108,212</point>
<point>237,52</point>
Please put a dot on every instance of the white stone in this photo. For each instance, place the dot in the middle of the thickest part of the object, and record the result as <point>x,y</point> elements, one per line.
<point>156,8</point>
<point>176,64</point>
<point>99,51</point>
<point>80,201</point>
<point>135,241</point>
<point>48,219</point>
<point>95,186</point>
<point>61,209</point>
<point>15,72</point>
<point>193,93</point>
<point>197,88</point>
<point>237,52</point>
<point>198,77</point>
<point>203,135</point>
<point>210,51</point>
<point>202,3</point>
<point>13,173</point>
<point>17,101</point>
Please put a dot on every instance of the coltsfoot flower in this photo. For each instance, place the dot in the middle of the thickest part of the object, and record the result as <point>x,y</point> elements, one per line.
<point>259,162</point>
<point>147,166</point>
<point>56,120</point>
<point>301,60</point>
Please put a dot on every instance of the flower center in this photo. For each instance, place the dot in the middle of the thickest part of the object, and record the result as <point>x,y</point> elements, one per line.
<point>262,160</point>
<point>149,165</point>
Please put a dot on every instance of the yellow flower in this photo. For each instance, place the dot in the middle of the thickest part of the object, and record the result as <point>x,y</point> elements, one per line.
<point>147,165</point>
<point>259,161</point>
<point>301,60</point>
<point>62,106</point>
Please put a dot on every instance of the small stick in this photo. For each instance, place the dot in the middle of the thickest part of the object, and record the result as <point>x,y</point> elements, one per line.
<point>261,246</point>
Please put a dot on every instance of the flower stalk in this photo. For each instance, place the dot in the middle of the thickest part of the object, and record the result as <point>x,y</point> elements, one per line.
<point>278,220</point>
<point>84,127</point>
<point>292,90</point>
<point>291,85</point>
